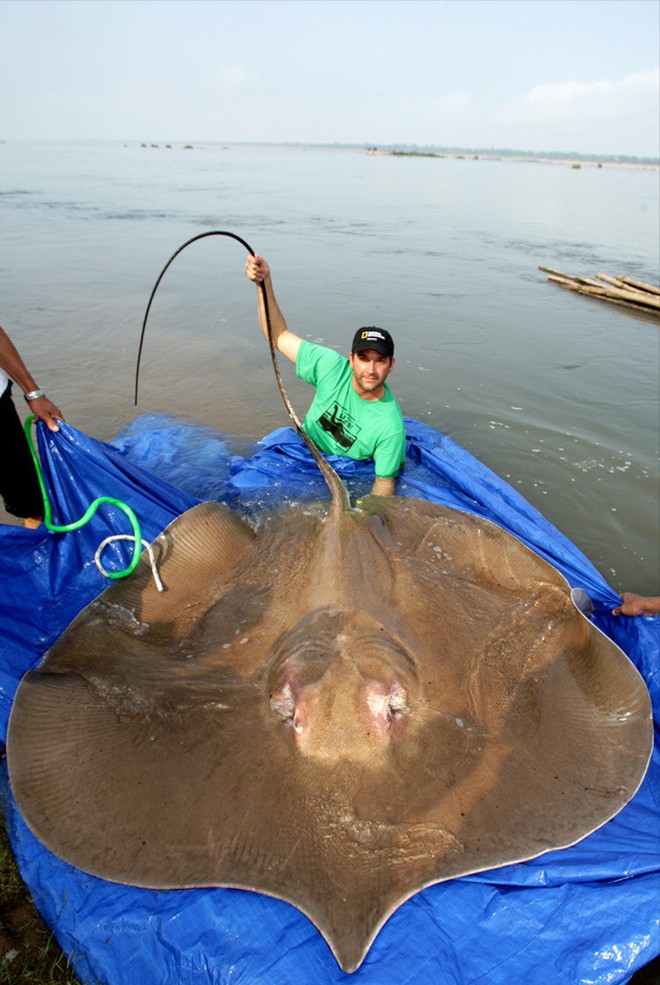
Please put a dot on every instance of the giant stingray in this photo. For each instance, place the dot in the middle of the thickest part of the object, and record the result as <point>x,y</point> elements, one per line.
<point>338,709</point>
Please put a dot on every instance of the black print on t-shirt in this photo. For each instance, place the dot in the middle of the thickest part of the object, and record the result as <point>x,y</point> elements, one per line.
<point>338,422</point>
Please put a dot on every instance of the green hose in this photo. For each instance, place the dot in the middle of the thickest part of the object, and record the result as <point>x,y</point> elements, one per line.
<point>89,513</point>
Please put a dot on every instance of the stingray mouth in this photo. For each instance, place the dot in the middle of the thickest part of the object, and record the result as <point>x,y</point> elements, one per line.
<point>345,686</point>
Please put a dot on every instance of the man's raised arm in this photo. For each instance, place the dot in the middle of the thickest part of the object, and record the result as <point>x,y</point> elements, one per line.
<point>284,341</point>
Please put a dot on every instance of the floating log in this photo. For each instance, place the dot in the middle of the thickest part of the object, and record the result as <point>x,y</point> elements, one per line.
<point>618,290</point>
<point>640,285</point>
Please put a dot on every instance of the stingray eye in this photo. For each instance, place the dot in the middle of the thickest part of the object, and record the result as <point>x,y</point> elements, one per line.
<point>283,704</point>
<point>397,705</point>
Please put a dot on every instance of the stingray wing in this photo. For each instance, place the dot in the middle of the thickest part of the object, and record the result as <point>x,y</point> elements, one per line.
<point>111,738</point>
<point>561,716</point>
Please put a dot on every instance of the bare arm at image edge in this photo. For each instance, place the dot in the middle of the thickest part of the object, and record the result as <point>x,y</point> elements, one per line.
<point>13,365</point>
<point>637,605</point>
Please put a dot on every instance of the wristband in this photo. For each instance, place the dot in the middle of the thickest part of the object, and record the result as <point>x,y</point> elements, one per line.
<point>33,394</point>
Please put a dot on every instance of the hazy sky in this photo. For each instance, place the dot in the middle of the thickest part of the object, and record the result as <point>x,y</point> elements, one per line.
<point>567,75</point>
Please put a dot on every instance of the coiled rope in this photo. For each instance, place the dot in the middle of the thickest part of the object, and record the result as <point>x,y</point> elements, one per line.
<point>62,528</point>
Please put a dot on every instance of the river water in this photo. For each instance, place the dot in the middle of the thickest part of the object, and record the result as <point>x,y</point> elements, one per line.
<point>556,392</point>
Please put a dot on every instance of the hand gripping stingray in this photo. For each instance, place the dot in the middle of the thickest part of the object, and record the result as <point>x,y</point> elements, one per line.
<point>337,709</point>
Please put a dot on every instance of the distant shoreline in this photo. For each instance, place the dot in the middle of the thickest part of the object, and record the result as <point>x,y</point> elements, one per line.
<point>576,162</point>
<point>572,160</point>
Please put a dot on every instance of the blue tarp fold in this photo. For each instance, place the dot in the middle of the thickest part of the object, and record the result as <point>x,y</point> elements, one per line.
<point>589,914</point>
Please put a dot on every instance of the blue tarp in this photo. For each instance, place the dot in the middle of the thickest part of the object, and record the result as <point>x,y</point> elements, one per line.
<point>589,914</point>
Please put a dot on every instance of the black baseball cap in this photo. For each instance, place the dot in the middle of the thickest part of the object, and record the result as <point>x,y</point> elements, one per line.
<point>372,337</point>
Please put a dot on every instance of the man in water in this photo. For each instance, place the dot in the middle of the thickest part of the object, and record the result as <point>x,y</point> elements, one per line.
<point>354,412</point>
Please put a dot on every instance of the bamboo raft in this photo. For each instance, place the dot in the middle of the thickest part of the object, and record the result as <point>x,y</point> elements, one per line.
<point>616,290</point>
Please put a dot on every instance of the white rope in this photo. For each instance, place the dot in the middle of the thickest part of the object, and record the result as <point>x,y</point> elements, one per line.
<point>152,557</point>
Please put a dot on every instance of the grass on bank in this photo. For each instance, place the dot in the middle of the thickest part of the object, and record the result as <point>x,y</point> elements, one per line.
<point>29,952</point>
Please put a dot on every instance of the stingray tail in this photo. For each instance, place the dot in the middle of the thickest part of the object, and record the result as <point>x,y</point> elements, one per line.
<point>340,498</point>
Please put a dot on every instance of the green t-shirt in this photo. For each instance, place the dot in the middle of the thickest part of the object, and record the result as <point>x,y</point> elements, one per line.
<point>340,422</point>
